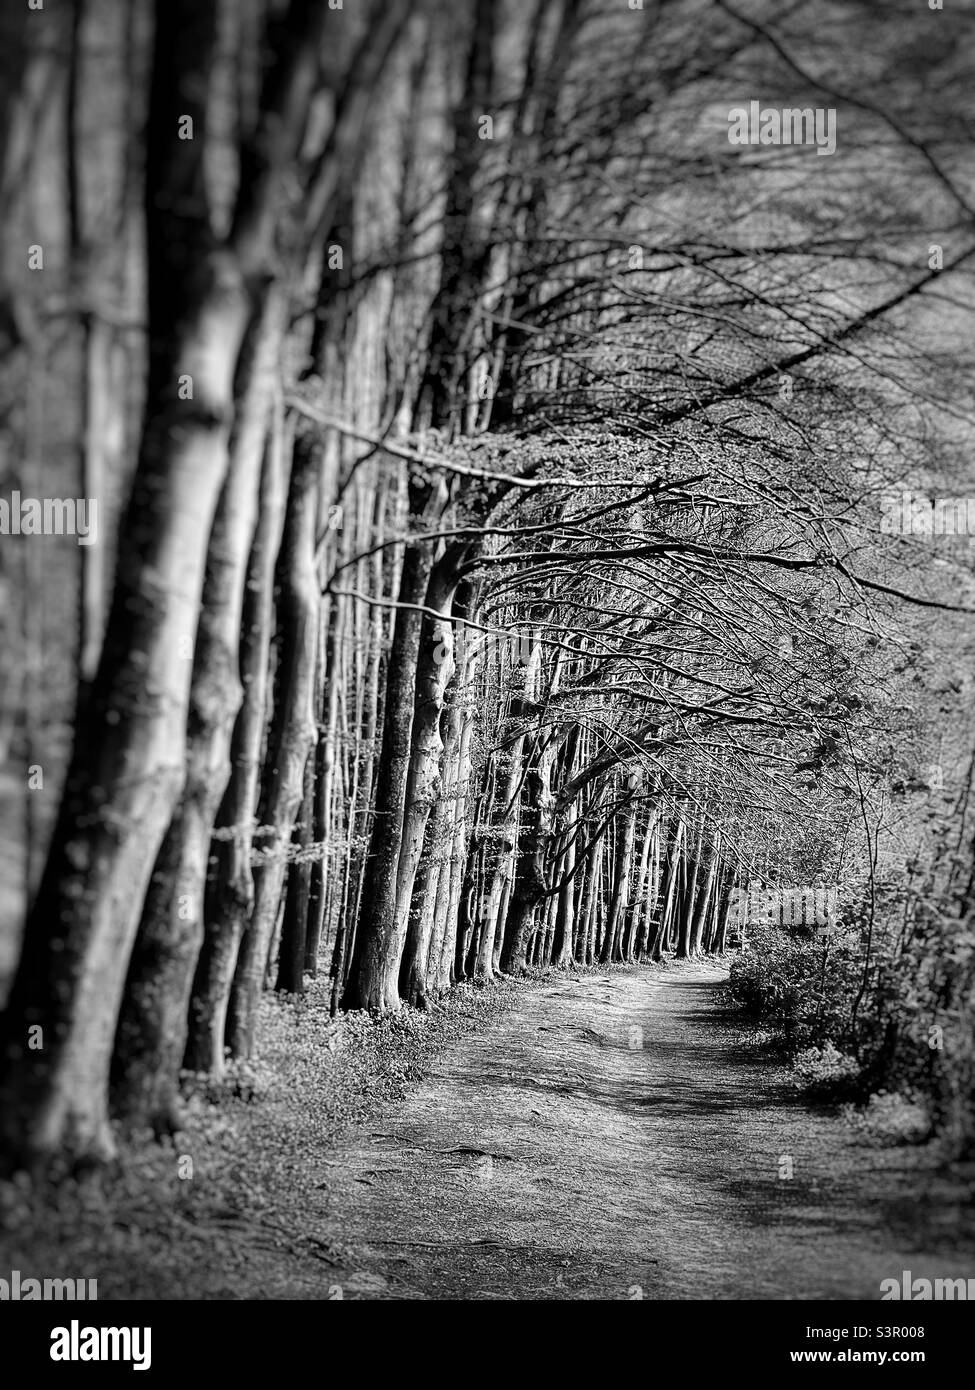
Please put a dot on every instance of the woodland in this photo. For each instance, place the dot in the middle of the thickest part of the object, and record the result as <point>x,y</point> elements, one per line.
<point>494,570</point>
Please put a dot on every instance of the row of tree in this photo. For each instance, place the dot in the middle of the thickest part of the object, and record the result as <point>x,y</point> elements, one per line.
<point>497,576</point>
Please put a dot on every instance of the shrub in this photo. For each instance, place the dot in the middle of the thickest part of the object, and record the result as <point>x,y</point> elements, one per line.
<point>825,1069</point>
<point>904,1035</point>
<point>780,978</point>
<point>892,1116</point>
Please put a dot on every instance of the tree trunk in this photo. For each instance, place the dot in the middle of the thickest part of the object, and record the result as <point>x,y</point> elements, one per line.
<point>593,906</point>
<point>294,926</point>
<point>230,888</point>
<point>151,1035</point>
<point>530,882</point>
<point>686,899</point>
<point>435,668</point>
<point>374,970</point>
<point>565,919</point>
<point>612,946</point>
<point>649,905</point>
<point>127,768</point>
<point>290,737</point>
<point>703,905</point>
<point>671,877</point>
<point>634,915</point>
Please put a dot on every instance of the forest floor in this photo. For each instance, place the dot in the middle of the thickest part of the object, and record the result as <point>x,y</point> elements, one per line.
<point>596,1135</point>
<point>616,1137</point>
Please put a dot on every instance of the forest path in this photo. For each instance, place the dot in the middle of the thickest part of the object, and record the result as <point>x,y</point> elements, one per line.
<point>612,1137</point>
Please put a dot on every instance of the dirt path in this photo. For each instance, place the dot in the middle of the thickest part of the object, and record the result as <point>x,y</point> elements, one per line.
<point>612,1137</point>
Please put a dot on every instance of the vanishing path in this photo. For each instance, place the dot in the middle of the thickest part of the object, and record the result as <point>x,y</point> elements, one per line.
<point>611,1137</point>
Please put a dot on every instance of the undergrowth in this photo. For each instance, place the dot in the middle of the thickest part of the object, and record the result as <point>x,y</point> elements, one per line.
<point>244,1180</point>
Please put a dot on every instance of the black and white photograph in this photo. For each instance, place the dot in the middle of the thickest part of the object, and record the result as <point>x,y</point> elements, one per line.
<point>487,697</point>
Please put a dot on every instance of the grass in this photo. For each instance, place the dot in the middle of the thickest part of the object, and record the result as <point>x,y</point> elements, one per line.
<point>228,1207</point>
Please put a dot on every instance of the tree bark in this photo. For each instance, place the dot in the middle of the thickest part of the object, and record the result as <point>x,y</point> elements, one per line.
<point>565,918</point>
<point>294,925</point>
<point>374,969</point>
<point>435,668</point>
<point>530,882</point>
<point>126,772</point>
<point>290,737</point>
<point>230,888</point>
<point>151,1036</point>
<point>612,944</point>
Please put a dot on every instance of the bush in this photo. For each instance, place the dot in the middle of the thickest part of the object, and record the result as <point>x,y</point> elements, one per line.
<point>907,1040</point>
<point>927,1003</point>
<point>896,1118</point>
<point>780,979</point>
<point>825,1069</point>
